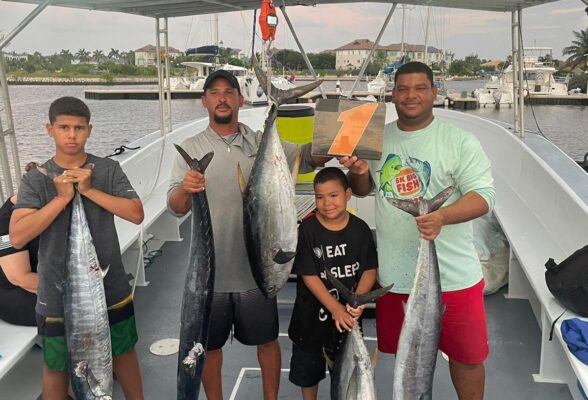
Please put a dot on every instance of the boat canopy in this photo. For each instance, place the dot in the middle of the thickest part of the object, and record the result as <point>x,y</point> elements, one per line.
<point>179,8</point>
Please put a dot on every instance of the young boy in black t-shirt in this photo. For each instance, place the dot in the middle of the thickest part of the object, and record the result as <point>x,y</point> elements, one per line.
<point>337,241</point>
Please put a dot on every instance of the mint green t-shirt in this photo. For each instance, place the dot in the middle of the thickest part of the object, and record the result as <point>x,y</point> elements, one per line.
<point>423,163</point>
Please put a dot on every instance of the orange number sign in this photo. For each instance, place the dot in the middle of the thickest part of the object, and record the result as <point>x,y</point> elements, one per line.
<point>355,121</point>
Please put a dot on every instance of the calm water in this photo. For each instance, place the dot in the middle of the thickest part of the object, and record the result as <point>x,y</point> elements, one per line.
<point>118,122</point>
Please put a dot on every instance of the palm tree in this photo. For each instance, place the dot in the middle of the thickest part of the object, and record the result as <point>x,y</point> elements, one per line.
<point>98,55</point>
<point>66,55</point>
<point>83,55</point>
<point>114,54</point>
<point>578,51</point>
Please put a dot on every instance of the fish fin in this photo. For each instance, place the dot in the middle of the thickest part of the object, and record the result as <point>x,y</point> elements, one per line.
<point>352,385</point>
<point>374,358</point>
<point>282,257</point>
<point>330,363</point>
<point>279,96</point>
<point>296,166</point>
<point>409,206</point>
<point>241,180</point>
<point>440,198</point>
<point>105,271</point>
<point>95,385</point>
<point>194,163</point>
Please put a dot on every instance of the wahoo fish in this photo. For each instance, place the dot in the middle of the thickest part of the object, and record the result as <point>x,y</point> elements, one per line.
<point>352,375</point>
<point>419,338</point>
<point>87,331</point>
<point>269,211</point>
<point>198,291</point>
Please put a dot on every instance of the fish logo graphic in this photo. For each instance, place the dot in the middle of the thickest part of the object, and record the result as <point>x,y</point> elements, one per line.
<point>404,178</point>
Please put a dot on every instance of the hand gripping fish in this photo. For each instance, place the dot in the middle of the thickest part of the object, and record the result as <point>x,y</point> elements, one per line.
<point>87,331</point>
<point>352,376</point>
<point>419,338</point>
<point>198,291</point>
<point>269,211</point>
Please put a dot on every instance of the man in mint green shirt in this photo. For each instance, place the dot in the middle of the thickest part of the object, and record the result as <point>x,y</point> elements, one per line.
<point>421,156</point>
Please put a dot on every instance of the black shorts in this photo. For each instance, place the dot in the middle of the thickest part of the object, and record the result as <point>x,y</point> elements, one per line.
<point>307,368</point>
<point>253,318</point>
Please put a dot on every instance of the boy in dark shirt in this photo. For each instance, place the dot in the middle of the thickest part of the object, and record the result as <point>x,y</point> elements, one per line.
<point>43,208</point>
<point>337,241</point>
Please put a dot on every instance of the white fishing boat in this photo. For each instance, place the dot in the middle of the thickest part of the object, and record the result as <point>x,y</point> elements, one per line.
<point>496,90</point>
<point>195,80</point>
<point>538,79</point>
<point>381,84</point>
<point>541,204</point>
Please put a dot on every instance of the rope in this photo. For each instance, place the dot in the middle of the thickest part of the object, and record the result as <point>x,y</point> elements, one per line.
<point>121,149</point>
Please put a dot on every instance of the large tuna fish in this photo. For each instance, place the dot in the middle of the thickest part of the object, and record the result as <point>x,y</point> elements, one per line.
<point>352,375</point>
<point>269,211</point>
<point>419,338</point>
<point>86,319</point>
<point>198,291</point>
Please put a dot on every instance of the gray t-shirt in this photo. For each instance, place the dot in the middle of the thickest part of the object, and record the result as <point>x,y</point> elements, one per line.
<point>36,190</point>
<point>233,273</point>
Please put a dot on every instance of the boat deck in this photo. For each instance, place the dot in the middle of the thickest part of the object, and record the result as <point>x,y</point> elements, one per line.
<point>513,333</point>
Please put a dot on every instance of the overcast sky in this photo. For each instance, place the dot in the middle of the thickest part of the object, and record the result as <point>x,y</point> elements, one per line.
<point>319,28</point>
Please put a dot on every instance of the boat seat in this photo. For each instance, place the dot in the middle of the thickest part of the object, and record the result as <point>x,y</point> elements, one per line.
<point>542,218</point>
<point>541,223</point>
<point>15,342</point>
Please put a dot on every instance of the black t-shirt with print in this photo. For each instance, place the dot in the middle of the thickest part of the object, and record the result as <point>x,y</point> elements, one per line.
<point>346,254</point>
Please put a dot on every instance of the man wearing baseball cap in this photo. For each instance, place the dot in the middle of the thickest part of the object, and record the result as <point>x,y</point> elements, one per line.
<point>238,303</point>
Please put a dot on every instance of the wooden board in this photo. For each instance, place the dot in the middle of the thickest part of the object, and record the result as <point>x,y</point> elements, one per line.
<point>348,127</point>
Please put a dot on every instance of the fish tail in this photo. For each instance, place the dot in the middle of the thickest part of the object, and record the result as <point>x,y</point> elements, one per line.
<point>353,299</point>
<point>194,163</point>
<point>441,198</point>
<point>281,96</point>
<point>412,206</point>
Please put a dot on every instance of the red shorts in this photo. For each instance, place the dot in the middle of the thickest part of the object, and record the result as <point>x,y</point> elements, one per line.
<point>463,335</point>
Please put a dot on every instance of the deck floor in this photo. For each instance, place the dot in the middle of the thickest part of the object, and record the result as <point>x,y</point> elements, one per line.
<point>513,333</point>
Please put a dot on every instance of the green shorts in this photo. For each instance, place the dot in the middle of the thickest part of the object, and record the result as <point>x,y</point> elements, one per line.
<point>123,334</point>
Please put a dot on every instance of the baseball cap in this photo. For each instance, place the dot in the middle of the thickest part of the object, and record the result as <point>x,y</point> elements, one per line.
<point>221,73</point>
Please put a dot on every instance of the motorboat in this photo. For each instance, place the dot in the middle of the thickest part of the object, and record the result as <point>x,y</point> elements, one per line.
<point>538,79</point>
<point>381,84</point>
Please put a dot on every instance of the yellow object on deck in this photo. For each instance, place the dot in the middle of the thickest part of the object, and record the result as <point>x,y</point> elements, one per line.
<point>295,123</point>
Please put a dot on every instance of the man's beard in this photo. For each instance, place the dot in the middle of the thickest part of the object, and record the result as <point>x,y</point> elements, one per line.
<point>223,120</point>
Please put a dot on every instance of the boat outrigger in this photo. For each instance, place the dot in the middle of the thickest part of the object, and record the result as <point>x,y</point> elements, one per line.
<point>541,204</point>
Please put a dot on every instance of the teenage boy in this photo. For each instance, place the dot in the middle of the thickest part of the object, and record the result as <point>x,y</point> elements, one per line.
<point>43,208</point>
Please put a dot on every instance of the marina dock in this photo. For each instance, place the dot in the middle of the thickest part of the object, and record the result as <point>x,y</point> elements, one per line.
<point>138,94</point>
<point>459,102</point>
<point>561,100</point>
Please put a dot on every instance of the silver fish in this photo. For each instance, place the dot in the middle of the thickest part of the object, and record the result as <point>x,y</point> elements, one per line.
<point>419,338</point>
<point>86,318</point>
<point>198,291</point>
<point>352,376</point>
<point>269,211</point>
